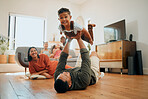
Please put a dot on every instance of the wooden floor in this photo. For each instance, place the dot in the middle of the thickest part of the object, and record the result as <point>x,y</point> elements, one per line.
<point>111,86</point>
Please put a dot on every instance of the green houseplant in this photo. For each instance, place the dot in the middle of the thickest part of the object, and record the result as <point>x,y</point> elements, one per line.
<point>3,48</point>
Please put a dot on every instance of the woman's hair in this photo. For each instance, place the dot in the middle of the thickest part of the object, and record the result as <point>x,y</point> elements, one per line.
<point>62,10</point>
<point>29,57</point>
<point>52,48</point>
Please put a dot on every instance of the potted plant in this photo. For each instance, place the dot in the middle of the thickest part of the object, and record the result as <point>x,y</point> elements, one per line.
<point>3,48</point>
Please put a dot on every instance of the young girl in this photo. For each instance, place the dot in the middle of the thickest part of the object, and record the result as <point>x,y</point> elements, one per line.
<point>71,28</point>
<point>56,51</point>
<point>46,50</point>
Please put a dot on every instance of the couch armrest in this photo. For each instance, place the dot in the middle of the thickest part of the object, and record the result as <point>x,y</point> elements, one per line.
<point>26,59</point>
<point>21,60</point>
<point>72,60</point>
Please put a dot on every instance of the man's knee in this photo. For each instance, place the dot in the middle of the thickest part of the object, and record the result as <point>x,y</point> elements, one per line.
<point>93,53</point>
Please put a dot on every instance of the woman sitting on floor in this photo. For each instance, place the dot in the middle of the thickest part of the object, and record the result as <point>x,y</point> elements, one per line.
<point>41,64</point>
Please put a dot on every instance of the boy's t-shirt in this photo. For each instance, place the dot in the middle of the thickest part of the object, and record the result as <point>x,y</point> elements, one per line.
<point>77,27</point>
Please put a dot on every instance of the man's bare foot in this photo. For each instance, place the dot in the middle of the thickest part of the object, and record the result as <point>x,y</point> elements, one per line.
<point>101,75</point>
<point>93,53</point>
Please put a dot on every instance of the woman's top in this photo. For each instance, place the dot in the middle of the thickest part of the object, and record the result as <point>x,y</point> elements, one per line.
<point>43,63</point>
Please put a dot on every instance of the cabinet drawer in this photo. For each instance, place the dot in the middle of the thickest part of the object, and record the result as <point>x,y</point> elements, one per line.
<point>114,64</point>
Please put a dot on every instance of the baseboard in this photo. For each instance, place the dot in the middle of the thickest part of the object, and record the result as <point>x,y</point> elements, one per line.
<point>145,71</point>
<point>17,68</point>
<point>6,68</point>
<point>117,70</point>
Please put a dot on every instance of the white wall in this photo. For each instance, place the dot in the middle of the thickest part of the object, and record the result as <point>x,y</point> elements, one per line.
<point>101,12</point>
<point>40,8</point>
<point>135,12</point>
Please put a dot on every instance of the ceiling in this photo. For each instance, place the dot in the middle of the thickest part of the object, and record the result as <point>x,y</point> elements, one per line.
<point>78,1</point>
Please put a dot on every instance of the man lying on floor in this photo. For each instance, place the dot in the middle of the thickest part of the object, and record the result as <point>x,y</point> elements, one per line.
<point>78,77</point>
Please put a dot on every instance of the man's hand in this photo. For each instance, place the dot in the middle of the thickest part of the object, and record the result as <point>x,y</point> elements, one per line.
<point>78,36</point>
<point>69,39</point>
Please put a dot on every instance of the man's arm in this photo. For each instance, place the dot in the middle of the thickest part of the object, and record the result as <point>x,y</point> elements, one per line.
<point>66,48</point>
<point>85,66</point>
<point>64,54</point>
<point>63,59</point>
<point>80,42</point>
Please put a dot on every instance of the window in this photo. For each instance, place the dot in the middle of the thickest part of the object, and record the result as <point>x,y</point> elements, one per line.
<point>26,31</point>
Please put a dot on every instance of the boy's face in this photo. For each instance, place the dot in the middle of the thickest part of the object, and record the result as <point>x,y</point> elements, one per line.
<point>65,18</point>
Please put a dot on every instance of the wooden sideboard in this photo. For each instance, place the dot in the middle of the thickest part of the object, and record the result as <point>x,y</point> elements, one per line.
<point>114,54</point>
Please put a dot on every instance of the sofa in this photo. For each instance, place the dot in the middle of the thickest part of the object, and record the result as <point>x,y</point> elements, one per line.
<point>22,60</point>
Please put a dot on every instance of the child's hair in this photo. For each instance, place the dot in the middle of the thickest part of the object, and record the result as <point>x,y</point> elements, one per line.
<point>44,42</point>
<point>54,47</point>
<point>62,10</point>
